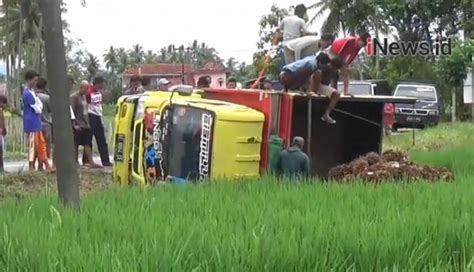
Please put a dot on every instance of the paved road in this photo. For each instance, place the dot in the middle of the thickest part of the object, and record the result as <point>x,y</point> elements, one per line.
<point>405,130</point>
<point>20,166</point>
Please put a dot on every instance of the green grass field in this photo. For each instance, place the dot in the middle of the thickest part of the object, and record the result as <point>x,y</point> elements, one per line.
<point>259,226</point>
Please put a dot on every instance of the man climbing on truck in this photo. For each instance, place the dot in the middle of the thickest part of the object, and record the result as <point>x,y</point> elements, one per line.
<point>296,75</point>
<point>347,49</point>
<point>320,70</point>
<point>321,83</point>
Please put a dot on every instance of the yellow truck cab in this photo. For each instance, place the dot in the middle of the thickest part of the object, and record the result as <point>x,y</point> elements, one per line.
<point>185,137</point>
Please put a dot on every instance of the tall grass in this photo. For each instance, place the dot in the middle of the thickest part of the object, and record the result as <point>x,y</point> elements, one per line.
<point>252,226</point>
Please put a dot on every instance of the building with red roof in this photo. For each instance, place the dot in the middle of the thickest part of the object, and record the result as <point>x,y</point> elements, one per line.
<point>174,73</point>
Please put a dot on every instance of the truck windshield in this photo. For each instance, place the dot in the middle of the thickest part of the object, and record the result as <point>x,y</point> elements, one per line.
<point>190,142</point>
<point>423,93</point>
<point>357,89</point>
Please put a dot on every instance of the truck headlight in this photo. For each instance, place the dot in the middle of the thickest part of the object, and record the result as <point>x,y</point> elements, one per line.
<point>433,112</point>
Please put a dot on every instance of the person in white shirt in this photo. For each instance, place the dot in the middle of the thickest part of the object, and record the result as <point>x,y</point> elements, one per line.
<point>294,26</point>
<point>163,84</point>
<point>94,108</point>
<point>302,47</point>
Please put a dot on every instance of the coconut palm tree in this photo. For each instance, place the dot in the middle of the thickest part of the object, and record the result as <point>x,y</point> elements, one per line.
<point>163,57</point>
<point>230,64</point>
<point>24,25</point>
<point>136,55</point>
<point>150,57</point>
<point>92,65</point>
<point>348,16</point>
<point>123,60</point>
<point>110,59</point>
<point>21,25</point>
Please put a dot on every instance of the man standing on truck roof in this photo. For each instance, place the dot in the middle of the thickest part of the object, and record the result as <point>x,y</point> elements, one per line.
<point>294,26</point>
<point>293,162</point>
<point>305,46</point>
<point>347,49</point>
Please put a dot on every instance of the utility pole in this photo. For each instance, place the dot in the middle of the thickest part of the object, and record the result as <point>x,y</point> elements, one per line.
<point>469,36</point>
<point>67,168</point>
<point>182,53</point>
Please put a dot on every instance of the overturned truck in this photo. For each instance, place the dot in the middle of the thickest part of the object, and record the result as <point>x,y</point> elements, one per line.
<point>358,131</point>
<point>223,133</point>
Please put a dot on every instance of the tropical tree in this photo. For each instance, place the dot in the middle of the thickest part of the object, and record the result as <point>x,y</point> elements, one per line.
<point>163,57</point>
<point>452,69</point>
<point>150,57</point>
<point>230,64</point>
<point>21,24</point>
<point>268,24</point>
<point>422,20</point>
<point>92,65</point>
<point>195,53</point>
<point>136,55</point>
<point>349,16</point>
<point>123,60</point>
<point>110,59</point>
<point>76,64</point>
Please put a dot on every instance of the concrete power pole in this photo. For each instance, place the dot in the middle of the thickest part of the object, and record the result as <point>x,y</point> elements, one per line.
<point>469,35</point>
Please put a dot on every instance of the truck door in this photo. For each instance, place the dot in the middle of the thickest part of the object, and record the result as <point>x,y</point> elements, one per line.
<point>137,150</point>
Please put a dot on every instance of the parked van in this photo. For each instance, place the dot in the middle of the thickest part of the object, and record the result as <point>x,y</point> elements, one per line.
<point>373,87</point>
<point>367,87</point>
<point>425,112</point>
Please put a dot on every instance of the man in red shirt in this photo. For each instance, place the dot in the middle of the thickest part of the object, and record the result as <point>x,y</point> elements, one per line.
<point>94,108</point>
<point>347,49</point>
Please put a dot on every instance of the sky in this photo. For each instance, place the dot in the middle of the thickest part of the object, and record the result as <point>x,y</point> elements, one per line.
<point>230,27</point>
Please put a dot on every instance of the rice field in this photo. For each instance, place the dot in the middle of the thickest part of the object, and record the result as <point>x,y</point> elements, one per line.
<point>257,226</point>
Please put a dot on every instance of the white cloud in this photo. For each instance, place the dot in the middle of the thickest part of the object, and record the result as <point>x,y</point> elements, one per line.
<point>230,27</point>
